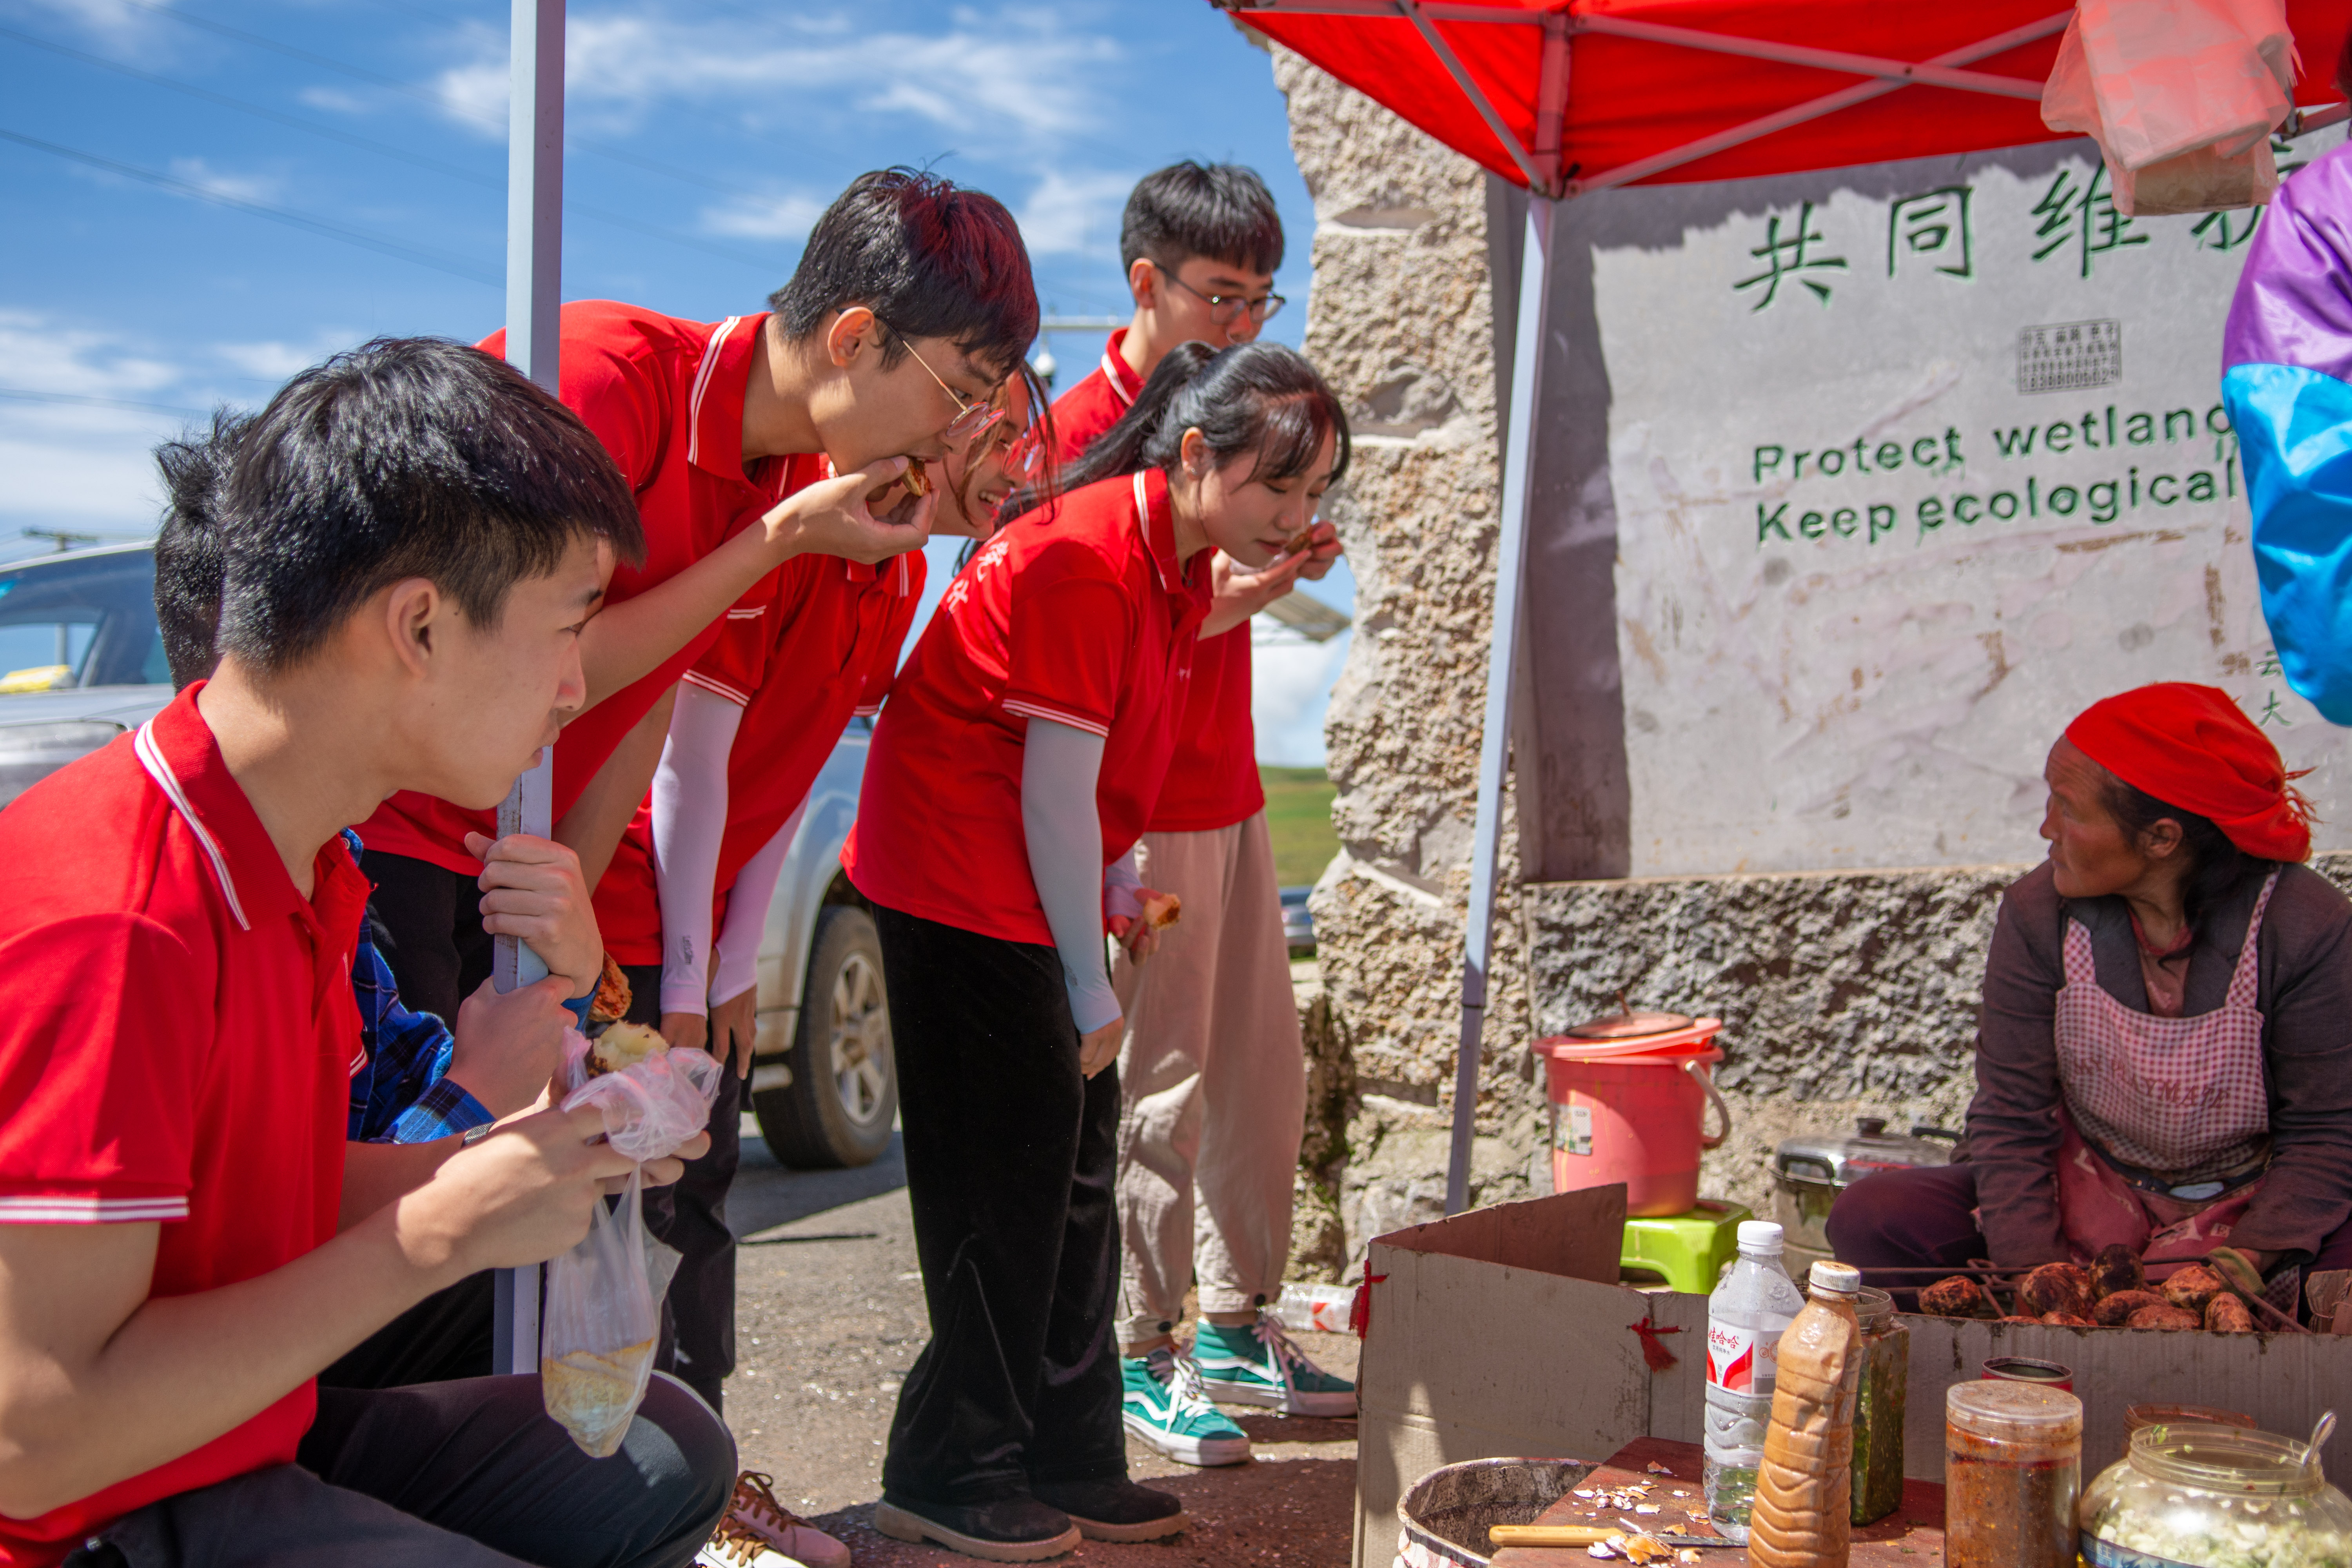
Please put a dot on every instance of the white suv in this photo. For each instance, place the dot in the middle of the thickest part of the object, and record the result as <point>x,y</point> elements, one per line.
<point>81,662</point>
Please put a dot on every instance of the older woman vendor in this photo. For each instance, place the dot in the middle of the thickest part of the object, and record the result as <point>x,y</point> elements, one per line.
<point>2164,1056</point>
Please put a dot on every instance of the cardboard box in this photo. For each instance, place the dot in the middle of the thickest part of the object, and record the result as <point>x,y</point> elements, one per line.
<point>1502,1332</point>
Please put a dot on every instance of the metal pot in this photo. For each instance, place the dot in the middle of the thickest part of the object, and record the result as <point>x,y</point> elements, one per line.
<point>1808,1173</point>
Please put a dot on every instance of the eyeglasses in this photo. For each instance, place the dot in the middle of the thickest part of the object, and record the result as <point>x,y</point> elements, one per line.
<point>971,417</point>
<point>1223,308</point>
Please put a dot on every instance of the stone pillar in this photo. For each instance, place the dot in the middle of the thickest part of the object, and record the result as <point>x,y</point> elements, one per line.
<point>1401,323</point>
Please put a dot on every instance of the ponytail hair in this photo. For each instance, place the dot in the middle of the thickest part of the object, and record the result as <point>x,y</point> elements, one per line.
<point>1253,398</point>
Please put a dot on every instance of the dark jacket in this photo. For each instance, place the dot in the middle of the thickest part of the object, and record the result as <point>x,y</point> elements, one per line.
<point>2305,968</point>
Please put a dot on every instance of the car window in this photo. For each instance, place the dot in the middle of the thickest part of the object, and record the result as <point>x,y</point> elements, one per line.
<point>89,621</point>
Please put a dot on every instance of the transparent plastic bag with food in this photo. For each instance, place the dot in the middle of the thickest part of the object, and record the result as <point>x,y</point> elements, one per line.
<point>2181,96</point>
<point>603,1311</point>
<point>602,1317</point>
<point>653,1099</point>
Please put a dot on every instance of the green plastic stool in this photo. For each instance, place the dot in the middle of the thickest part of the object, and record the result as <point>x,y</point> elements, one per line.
<point>1687,1250</point>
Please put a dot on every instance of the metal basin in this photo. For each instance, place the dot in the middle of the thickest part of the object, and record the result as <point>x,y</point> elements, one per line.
<point>1442,1517</point>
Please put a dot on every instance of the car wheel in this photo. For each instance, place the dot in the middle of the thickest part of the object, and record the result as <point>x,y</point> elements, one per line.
<point>844,1094</point>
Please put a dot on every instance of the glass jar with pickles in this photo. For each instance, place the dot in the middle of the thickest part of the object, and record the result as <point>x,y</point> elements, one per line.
<point>2215,1497</point>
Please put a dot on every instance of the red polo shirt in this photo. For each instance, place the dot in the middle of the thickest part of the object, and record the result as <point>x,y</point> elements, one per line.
<point>177,1047</point>
<point>1212,781</point>
<point>666,397</point>
<point>1078,613</point>
<point>1095,403</point>
<point>816,645</point>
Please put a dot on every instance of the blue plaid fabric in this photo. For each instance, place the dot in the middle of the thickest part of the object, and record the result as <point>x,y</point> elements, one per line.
<point>404,1094</point>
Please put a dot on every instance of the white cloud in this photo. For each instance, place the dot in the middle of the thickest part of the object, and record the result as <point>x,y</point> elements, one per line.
<point>43,355</point>
<point>275,360</point>
<point>335,101</point>
<point>221,183</point>
<point>1291,683</point>
<point>787,217</point>
<point>1070,214</point>
<point>111,18</point>
<point>83,465</point>
<point>1022,74</point>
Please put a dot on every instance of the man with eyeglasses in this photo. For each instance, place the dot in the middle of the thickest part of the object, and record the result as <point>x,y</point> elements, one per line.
<point>1201,243</point>
<point>1213,1074</point>
<point>912,303</point>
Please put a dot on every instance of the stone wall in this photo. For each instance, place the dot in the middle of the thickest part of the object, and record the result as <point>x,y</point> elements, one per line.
<point>1843,993</point>
<point>1400,321</point>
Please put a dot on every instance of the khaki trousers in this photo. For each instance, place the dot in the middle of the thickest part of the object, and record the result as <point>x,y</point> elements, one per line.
<point>1213,1085</point>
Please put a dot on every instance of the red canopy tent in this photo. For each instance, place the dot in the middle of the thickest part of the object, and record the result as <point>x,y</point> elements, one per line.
<point>1566,97</point>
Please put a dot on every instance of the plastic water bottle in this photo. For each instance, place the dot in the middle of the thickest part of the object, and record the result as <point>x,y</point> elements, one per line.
<point>1755,1301</point>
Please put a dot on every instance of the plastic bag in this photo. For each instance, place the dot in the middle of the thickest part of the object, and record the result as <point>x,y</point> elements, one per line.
<point>2180,95</point>
<point>650,1107</point>
<point>602,1317</point>
<point>603,1311</point>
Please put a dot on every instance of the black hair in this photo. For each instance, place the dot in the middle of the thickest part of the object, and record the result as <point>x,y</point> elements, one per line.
<point>2211,864</point>
<point>929,258</point>
<point>188,559</point>
<point>1262,398</point>
<point>1221,211</point>
<point>405,457</point>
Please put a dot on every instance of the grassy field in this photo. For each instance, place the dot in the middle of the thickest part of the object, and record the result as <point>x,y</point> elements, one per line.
<point>1298,820</point>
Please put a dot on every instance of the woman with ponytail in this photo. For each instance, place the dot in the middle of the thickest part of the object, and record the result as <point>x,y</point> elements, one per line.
<point>1018,760</point>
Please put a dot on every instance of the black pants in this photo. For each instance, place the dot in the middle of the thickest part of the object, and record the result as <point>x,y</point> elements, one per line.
<point>1009,1159</point>
<point>698,1340</point>
<point>429,926</point>
<point>455,1475</point>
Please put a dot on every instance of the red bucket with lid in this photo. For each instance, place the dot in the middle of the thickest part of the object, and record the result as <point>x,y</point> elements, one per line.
<point>1629,1097</point>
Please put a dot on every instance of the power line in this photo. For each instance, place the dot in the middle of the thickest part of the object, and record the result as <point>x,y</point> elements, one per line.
<point>382,149</point>
<point>361,73</point>
<point>25,396</point>
<point>440,261</point>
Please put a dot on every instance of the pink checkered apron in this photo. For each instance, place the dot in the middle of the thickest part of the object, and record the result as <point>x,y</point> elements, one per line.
<point>2175,1095</point>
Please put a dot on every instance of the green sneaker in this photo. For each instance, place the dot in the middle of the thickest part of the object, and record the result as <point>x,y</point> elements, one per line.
<point>1256,1364</point>
<point>1161,1402</point>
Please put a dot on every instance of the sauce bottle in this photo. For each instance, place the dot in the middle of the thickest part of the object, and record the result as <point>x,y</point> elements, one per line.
<point>1804,1488</point>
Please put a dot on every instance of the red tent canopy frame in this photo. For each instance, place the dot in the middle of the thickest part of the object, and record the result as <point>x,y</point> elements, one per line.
<point>1566,97</point>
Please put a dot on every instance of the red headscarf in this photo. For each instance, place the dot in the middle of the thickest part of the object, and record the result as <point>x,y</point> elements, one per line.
<point>2191,747</point>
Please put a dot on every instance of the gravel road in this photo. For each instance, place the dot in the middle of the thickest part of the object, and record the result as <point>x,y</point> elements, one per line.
<point>830,1316</point>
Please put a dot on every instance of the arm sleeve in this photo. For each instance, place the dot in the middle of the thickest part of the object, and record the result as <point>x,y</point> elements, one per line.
<point>690,821</point>
<point>1121,886</point>
<point>1063,831</point>
<point>2294,441</point>
<point>2013,1120</point>
<point>736,968</point>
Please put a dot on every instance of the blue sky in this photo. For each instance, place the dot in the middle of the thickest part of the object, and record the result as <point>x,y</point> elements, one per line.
<point>205,195</point>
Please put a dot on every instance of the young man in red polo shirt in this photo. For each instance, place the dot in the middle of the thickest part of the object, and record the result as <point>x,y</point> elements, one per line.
<point>1212,1070</point>
<point>911,302</point>
<point>185,1236</point>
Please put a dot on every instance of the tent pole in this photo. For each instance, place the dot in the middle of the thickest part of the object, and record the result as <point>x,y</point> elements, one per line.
<point>1502,669</point>
<point>534,293</point>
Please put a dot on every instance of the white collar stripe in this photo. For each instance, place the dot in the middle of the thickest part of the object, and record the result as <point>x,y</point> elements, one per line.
<point>1143,524</point>
<point>702,385</point>
<point>150,757</point>
<point>1110,370</point>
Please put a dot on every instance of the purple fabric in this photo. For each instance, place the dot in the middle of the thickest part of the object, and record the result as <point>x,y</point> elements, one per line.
<point>2294,305</point>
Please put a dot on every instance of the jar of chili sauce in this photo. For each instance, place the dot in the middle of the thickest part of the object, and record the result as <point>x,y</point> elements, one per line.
<point>2012,1471</point>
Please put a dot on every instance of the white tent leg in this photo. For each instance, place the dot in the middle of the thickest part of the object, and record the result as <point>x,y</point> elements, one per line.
<point>1510,567</point>
<point>534,293</point>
